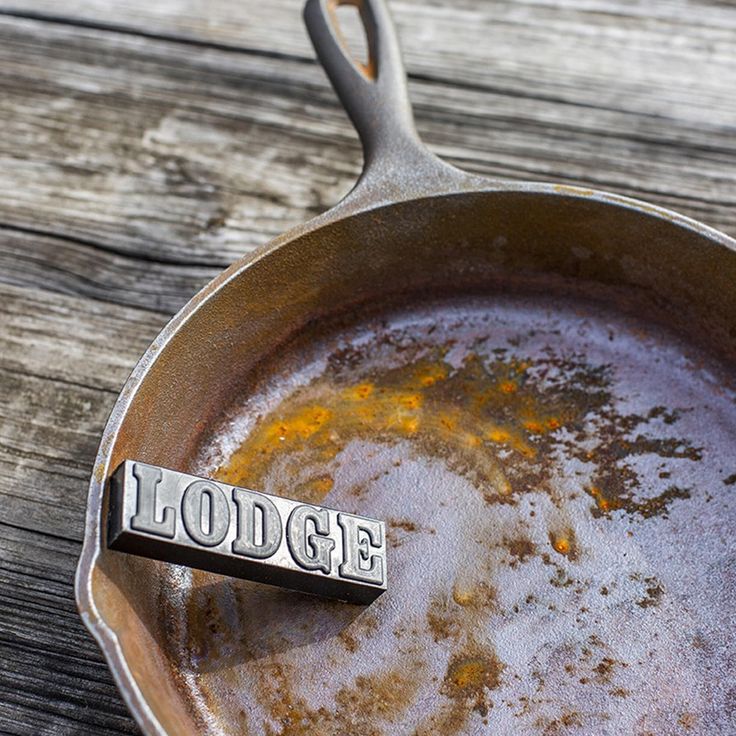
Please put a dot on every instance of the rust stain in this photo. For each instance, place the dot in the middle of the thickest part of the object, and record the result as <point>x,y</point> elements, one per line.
<point>652,594</point>
<point>450,719</point>
<point>405,524</point>
<point>349,640</point>
<point>500,423</point>
<point>564,542</point>
<point>99,472</point>
<point>615,483</point>
<point>370,705</point>
<point>520,549</point>
<point>470,676</point>
<point>577,191</point>
<point>561,724</point>
<point>604,669</point>
<point>442,621</point>
<point>357,631</point>
<point>474,595</point>
<point>400,529</point>
<point>497,423</point>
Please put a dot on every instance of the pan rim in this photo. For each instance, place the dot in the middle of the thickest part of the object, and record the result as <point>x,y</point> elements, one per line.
<point>105,636</point>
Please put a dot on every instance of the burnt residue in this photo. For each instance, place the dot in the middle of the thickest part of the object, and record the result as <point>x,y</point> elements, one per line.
<point>497,421</point>
<point>564,542</point>
<point>399,530</point>
<point>370,705</point>
<point>471,676</point>
<point>653,591</point>
<point>443,621</point>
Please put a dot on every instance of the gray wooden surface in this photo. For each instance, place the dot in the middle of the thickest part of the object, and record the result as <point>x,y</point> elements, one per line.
<point>147,144</point>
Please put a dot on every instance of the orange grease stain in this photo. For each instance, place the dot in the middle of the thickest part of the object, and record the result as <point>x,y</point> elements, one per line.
<point>293,449</point>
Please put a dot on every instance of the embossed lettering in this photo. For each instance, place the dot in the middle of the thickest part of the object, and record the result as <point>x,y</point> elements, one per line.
<point>148,477</point>
<point>204,498</point>
<point>360,540</point>
<point>310,550</point>
<point>251,506</point>
<point>171,516</point>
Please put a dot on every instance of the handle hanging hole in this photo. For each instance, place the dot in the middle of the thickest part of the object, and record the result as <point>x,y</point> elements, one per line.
<point>351,30</point>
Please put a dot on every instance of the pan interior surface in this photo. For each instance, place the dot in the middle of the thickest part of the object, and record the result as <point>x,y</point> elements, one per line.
<point>557,480</point>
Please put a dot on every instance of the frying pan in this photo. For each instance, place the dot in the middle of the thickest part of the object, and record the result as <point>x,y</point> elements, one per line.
<point>530,383</point>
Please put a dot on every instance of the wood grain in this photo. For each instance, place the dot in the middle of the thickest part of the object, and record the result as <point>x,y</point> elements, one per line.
<point>52,679</point>
<point>204,152</point>
<point>146,145</point>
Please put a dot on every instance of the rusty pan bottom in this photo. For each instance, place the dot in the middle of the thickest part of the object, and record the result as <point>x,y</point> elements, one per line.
<point>557,479</point>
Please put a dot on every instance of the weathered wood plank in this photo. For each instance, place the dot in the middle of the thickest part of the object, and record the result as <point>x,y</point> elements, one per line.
<point>148,149</point>
<point>71,340</point>
<point>190,155</point>
<point>83,269</point>
<point>432,32</point>
<point>52,677</point>
<point>62,362</point>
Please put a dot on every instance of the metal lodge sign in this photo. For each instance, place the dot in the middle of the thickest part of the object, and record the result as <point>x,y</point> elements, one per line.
<point>180,518</point>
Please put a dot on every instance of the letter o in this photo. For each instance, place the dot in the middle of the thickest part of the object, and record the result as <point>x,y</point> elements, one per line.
<point>191,513</point>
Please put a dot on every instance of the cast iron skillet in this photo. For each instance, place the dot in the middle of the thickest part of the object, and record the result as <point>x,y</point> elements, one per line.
<point>529,382</point>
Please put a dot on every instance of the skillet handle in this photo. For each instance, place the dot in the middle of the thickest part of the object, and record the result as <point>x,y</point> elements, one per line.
<point>376,98</point>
